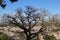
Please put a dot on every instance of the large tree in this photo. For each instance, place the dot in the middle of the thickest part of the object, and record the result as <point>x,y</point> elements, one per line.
<point>27,20</point>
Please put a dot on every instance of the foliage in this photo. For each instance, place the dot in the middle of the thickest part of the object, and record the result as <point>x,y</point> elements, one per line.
<point>3,4</point>
<point>47,37</point>
<point>3,36</point>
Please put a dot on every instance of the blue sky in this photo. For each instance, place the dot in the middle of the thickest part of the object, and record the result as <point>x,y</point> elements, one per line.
<point>51,5</point>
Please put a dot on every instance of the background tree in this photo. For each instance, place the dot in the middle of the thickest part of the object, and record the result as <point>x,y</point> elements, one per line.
<point>3,4</point>
<point>27,20</point>
<point>54,22</point>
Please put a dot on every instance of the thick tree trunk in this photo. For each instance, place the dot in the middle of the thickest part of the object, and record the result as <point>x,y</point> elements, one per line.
<point>28,38</point>
<point>27,35</point>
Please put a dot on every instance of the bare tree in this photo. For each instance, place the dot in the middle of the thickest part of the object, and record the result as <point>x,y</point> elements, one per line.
<point>54,20</point>
<point>27,20</point>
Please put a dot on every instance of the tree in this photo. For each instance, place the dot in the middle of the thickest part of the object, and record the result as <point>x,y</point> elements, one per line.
<point>4,20</point>
<point>54,22</point>
<point>3,4</point>
<point>27,20</point>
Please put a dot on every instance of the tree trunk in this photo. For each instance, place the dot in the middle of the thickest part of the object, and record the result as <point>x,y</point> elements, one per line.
<point>27,35</point>
<point>28,38</point>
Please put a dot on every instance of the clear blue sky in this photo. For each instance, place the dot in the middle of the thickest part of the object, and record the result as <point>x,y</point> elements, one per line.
<point>51,5</point>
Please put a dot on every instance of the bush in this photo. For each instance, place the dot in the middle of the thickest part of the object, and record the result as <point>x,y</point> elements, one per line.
<point>47,37</point>
<point>3,36</point>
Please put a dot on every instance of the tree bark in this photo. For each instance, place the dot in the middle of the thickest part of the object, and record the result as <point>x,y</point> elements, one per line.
<point>28,38</point>
<point>27,35</point>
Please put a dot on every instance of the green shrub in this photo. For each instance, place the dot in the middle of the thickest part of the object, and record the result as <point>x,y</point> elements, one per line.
<point>3,36</point>
<point>47,37</point>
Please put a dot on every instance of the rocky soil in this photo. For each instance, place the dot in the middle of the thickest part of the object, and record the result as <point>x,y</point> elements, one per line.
<point>15,33</point>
